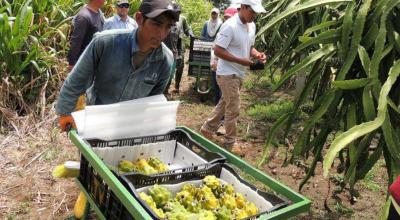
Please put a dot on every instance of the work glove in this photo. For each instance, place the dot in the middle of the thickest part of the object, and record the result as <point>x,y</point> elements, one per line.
<point>66,122</point>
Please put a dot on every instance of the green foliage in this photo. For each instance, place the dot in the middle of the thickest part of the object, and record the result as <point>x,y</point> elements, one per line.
<point>33,38</point>
<point>196,12</point>
<point>350,53</point>
<point>271,111</point>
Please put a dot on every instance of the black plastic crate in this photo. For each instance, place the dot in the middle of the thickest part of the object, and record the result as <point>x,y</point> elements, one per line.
<point>134,181</point>
<point>102,195</point>
<point>202,70</point>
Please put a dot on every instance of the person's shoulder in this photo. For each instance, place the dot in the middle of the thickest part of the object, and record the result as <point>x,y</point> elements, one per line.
<point>110,19</point>
<point>112,34</point>
<point>132,20</point>
<point>167,53</point>
<point>84,11</point>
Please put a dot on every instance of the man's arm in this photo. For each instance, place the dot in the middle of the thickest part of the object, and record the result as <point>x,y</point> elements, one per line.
<point>225,55</point>
<point>79,31</point>
<point>79,79</point>
<point>186,28</point>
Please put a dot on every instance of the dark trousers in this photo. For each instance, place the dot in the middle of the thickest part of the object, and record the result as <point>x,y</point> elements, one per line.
<point>177,72</point>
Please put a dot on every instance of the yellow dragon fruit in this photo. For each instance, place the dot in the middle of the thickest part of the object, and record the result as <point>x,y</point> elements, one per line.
<point>158,164</point>
<point>149,200</point>
<point>160,195</point>
<point>251,208</point>
<point>144,167</point>
<point>223,213</point>
<point>240,200</point>
<point>126,166</point>
<point>212,182</point>
<point>239,214</point>
<point>228,201</point>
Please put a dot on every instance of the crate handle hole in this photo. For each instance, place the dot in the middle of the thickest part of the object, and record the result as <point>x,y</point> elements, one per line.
<point>159,150</point>
<point>122,156</point>
<point>141,154</point>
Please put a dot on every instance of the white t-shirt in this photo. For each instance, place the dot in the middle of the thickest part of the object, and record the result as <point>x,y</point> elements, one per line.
<point>237,38</point>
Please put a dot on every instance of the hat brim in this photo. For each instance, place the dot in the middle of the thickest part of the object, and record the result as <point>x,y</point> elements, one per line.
<point>158,12</point>
<point>258,9</point>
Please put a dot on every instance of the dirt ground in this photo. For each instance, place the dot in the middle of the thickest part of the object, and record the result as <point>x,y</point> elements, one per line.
<point>27,157</point>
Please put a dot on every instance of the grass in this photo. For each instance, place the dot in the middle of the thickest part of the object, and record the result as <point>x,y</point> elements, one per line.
<point>261,82</point>
<point>369,179</point>
<point>343,210</point>
<point>271,111</point>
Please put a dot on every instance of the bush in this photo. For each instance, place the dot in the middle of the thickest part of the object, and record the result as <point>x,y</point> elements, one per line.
<point>196,12</point>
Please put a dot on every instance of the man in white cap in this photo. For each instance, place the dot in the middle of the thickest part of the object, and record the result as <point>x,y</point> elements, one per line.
<point>211,27</point>
<point>234,47</point>
<point>121,20</point>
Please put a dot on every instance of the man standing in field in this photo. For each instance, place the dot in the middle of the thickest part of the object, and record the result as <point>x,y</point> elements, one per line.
<point>122,65</point>
<point>175,42</point>
<point>121,20</point>
<point>234,47</point>
<point>85,24</point>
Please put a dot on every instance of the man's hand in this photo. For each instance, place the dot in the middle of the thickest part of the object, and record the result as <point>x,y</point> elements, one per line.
<point>261,57</point>
<point>66,122</point>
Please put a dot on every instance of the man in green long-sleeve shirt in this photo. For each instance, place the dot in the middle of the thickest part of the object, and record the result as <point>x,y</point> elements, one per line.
<point>176,44</point>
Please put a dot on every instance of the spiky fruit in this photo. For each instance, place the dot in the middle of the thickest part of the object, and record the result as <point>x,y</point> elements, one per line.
<point>148,199</point>
<point>240,200</point>
<point>173,205</point>
<point>209,202</point>
<point>206,215</point>
<point>160,195</point>
<point>144,167</point>
<point>212,182</point>
<point>190,188</point>
<point>228,189</point>
<point>176,211</point>
<point>184,197</point>
<point>239,214</point>
<point>126,166</point>
<point>251,208</point>
<point>157,164</point>
<point>204,191</point>
<point>150,202</point>
<point>228,201</point>
<point>223,213</point>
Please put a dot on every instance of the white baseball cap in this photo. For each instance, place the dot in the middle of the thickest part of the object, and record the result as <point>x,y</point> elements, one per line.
<point>122,2</point>
<point>256,5</point>
<point>216,10</point>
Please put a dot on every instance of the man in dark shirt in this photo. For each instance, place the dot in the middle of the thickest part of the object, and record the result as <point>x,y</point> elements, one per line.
<point>88,21</point>
<point>176,44</point>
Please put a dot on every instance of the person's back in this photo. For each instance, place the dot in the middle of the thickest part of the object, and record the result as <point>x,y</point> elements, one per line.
<point>85,24</point>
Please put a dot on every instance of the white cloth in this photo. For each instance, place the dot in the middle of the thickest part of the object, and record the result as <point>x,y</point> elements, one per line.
<point>213,26</point>
<point>115,22</point>
<point>237,38</point>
